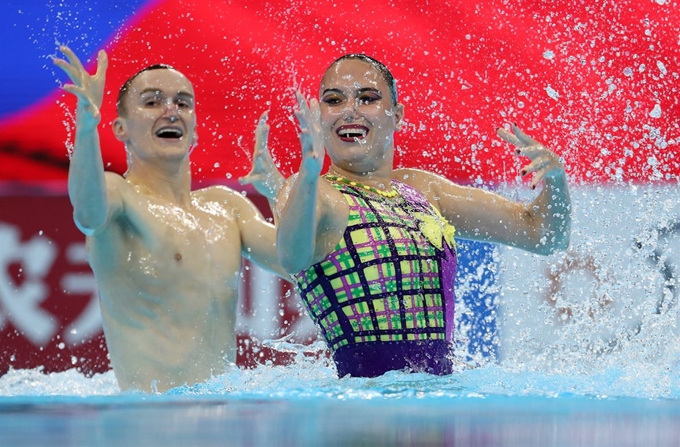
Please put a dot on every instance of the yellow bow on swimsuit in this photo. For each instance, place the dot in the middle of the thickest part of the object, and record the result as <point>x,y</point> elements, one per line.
<point>434,228</point>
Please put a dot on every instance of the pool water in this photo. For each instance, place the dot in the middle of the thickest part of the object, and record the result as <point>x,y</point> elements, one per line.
<point>319,421</point>
<point>306,405</point>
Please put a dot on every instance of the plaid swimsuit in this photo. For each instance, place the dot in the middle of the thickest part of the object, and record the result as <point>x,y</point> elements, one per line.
<point>383,298</point>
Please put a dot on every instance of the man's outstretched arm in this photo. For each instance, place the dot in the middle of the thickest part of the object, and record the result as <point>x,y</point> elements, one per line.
<point>86,180</point>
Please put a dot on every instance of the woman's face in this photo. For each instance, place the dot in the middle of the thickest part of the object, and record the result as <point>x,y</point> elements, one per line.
<point>358,117</point>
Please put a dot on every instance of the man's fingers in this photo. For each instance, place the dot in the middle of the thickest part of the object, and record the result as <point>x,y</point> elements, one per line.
<point>264,134</point>
<point>248,179</point>
<point>72,58</point>
<point>80,93</point>
<point>73,89</point>
<point>262,129</point>
<point>263,118</point>
<point>102,63</point>
<point>251,179</point>
<point>68,69</point>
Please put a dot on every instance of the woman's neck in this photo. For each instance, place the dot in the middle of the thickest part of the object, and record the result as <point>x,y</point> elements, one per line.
<point>379,179</point>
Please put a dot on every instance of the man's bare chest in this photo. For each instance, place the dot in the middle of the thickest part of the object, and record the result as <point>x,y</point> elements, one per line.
<point>166,240</point>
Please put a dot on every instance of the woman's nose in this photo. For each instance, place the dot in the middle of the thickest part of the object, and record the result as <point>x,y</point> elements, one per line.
<point>349,112</point>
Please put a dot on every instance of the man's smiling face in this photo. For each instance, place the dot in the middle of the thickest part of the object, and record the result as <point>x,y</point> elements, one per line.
<point>159,115</point>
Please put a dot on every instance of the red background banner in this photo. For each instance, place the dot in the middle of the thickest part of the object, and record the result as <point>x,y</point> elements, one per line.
<point>595,80</point>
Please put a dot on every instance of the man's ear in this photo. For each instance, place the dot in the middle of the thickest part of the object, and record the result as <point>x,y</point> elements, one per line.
<point>399,115</point>
<point>194,143</point>
<point>119,129</point>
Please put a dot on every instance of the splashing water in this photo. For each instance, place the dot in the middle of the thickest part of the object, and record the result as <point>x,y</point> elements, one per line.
<point>319,380</point>
<point>597,320</point>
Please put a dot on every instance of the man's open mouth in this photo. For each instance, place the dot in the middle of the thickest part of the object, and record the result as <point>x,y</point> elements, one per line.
<point>173,133</point>
<point>352,132</point>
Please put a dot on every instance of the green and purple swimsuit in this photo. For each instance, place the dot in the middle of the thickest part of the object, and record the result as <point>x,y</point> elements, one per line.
<point>384,297</point>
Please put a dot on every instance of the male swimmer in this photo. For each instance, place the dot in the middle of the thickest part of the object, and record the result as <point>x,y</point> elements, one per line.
<point>166,259</point>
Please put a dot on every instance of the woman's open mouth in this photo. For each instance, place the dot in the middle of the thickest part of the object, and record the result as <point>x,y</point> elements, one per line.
<point>351,133</point>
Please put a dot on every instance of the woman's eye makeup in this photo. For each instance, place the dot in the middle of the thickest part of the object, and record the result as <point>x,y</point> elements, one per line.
<point>332,99</point>
<point>361,98</point>
<point>368,98</point>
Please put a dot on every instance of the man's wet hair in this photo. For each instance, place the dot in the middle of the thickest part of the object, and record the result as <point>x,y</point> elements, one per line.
<point>120,106</point>
<point>384,71</point>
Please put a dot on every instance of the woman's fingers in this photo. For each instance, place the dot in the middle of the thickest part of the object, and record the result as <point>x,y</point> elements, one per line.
<point>315,110</point>
<point>541,167</point>
<point>302,105</point>
<point>523,138</point>
<point>535,166</point>
<point>544,162</point>
<point>517,137</point>
<point>508,137</point>
<point>532,152</point>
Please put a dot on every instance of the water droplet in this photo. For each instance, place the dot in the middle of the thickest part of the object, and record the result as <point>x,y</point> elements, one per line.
<point>662,68</point>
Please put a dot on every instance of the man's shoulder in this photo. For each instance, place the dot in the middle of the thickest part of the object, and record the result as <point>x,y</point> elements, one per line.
<point>220,193</point>
<point>214,191</point>
<point>115,179</point>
